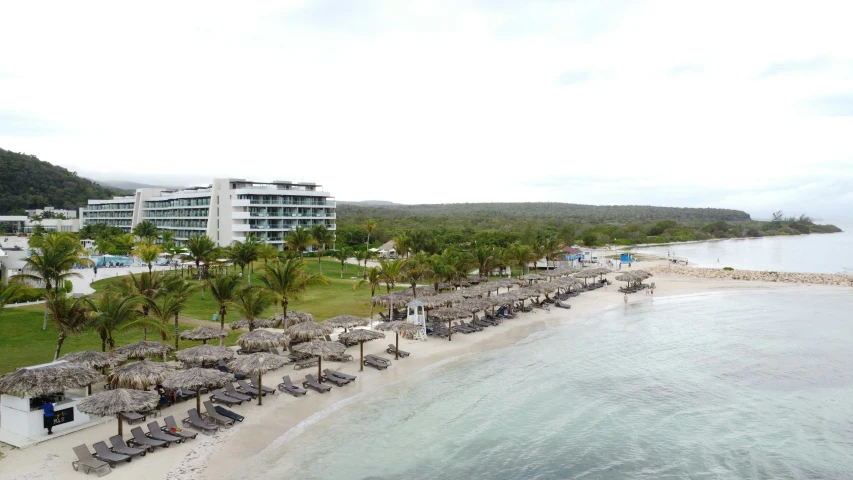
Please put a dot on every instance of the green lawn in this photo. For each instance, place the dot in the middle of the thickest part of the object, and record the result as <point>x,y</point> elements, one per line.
<point>23,342</point>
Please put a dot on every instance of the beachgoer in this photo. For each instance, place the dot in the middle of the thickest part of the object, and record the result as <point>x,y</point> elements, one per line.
<point>548,308</point>
<point>48,416</point>
<point>625,299</point>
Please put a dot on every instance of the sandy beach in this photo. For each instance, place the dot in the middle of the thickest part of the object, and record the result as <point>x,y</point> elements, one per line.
<point>217,456</point>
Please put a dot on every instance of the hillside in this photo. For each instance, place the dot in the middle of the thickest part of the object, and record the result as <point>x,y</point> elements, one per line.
<point>498,215</point>
<point>27,182</point>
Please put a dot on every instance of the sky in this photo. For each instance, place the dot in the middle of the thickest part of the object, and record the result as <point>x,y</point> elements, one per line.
<point>731,104</point>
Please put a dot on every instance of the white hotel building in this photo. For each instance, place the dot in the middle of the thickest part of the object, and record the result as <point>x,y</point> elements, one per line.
<point>227,210</point>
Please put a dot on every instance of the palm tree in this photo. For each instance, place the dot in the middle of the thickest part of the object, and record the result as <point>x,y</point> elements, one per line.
<point>342,254</point>
<point>243,254</point>
<point>68,315</point>
<point>369,225</point>
<point>391,272</point>
<point>519,255</point>
<point>373,278</point>
<point>552,249</point>
<point>501,260</point>
<point>148,286</point>
<point>115,312</point>
<point>483,256</point>
<point>10,291</point>
<point>52,262</point>
<point>147,252</point>
<point>145,230</point>
<point>299,239</point>
<point>224,290</point>
<point>252,301</point>
<point>402,244</point>
<point>289,278</point>
<point>323,236</point>
<point>200,248</point>
<point>360,256</point>
<point>267,252</point>
<point>416,269</point>
<point>178,293</point>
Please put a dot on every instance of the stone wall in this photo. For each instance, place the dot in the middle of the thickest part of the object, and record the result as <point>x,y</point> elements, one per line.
<point>754,275</point>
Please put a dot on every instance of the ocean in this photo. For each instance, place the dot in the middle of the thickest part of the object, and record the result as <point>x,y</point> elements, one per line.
<point>816,253</point>
<point>734,385</point>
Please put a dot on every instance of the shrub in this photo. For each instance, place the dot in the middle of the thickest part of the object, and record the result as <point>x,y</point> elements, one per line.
<point>69,286</point>
<point>728,269</point>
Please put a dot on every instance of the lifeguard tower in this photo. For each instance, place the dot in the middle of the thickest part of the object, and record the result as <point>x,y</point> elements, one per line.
<point>417,315</point>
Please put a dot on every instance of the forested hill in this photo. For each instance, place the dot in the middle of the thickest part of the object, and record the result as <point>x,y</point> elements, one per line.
<point>497,215</point>
<point>27,182</point>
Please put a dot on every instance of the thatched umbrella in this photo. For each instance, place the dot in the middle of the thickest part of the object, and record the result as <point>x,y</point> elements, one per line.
<point>204,353</point>
<point>198,378</point>
<point>361,335</point>
<point>257,323</point>
<point>346,322</point>
<point>293,317</point>
<point>117,401</point>
<point>144,349</point>
<point>262,339</point>
<point>93,358</point>
<point>140,375</point>
<point>308,330</point>
<point>42,380</point>
<point>448,314</point>
<point>204,334</point>
<point>321,348</point>
<point>532,276</point>
<point>398,327</point>
<point>257,364</point>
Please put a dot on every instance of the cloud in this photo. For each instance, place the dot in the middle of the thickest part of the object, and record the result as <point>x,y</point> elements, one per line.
<point>571,77</point>
<point>15,124</point>
<point>836,105</point>
<point>803,66</point>
<point>686,69</point>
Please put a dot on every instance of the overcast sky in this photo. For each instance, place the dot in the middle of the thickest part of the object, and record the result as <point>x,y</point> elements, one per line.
<point>740,104</point>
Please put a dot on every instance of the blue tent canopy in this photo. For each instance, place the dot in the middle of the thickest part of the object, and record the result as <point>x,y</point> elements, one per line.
<point>626,258</point>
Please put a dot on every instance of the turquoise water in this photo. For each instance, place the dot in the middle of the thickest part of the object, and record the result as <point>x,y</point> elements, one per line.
<point>824,253</point>
<point>754,385</point>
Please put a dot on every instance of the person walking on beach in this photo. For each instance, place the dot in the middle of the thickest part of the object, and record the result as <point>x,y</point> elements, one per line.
<point>625,299</point>
<point>48,416</point>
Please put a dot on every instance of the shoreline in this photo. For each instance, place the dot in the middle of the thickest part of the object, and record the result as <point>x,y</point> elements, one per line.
<point>282,417</point>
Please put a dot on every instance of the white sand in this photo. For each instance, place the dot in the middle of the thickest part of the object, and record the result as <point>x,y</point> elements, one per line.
<point>213,457</point>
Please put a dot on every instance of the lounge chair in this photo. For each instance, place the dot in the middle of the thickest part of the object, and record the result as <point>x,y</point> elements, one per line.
<point>562,305</point>
<point>249,389</point>
<point>120,447</point>
<point>255,382</point>
<point>194,420</point>
<point>312,383</point>
<point>370,361</point>
<point>344,357</point>
<point>103,453</point>
<point>340,375</point>
<point>248,351</point>
<point>140,439</point>
<point>308,362</point>
<point>393,349</point>
<point>172,428</point>
<point>334,379</point>
<point>219,396</point>
<point>157,433</point>
<point>228,413</point>
<point>88,462</point>
<point>132,417</point>
<point>210,413</point>
<point>232,392</point>
<point>287,386</point>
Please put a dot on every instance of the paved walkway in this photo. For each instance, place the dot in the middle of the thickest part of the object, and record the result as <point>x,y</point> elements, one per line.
<point>83,285</point>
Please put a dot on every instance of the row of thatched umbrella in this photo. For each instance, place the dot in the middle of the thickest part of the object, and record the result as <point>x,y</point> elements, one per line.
<point>361,335</point>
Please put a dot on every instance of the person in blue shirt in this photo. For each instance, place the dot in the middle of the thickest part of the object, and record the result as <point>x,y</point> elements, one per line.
<point>48,417</point>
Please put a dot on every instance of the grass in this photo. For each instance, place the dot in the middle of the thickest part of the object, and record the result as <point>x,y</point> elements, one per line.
<point>24,343</point>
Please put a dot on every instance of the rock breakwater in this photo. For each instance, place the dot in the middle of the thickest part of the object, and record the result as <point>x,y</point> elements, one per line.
<point>757,276</point>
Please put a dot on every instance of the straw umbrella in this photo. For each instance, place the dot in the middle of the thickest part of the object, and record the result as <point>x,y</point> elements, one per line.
<point>293,317</point>
<point>346,322</point>
<point>398,327</point>
<point>204,334</point>
<point>196,379</point>
<point>308,330</point>
<point>140,375</point>
<point>448,314</point>
<point>258,323</point>
<point>94,360</point>
<point>204,353</point>
<point>262,339</point>
<point>144,349</point>
<point>321,348</point>
<point>361,335</point>
<point>115,402</point>
<point>257,364</point>
<point>47,379</point>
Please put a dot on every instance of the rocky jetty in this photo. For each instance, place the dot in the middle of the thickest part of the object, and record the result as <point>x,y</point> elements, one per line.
<point>757,276</point>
